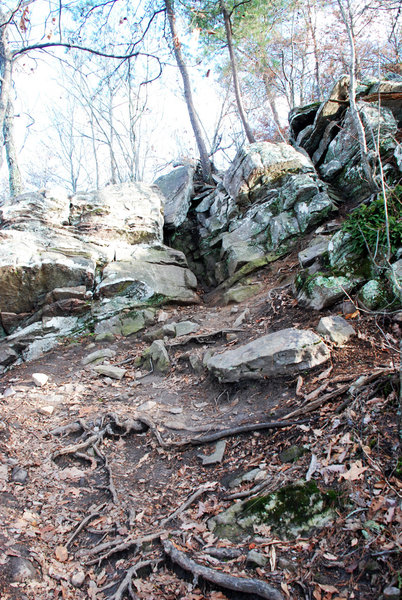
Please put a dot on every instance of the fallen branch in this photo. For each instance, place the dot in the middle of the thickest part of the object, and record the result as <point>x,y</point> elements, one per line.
<point>259,589</point>
<point>84,522</point>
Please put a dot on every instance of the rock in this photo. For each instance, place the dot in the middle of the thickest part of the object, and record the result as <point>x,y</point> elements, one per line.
<point>148,405</point>
<point>159,356</point>
<point>7,355</point>
<point>22,569</point>
<point>395,277</point>
<point>391,593</point>
<point>293,510</point>
<point>372,295</point>
<point>217,455</point>
<point>315,251</point>
<point>98,355</point>
<point>78,292</point>
<point>19,475</point>
<point>292,454</point>
<point>11,321</point>
<point>241,293</point>
<point>196,363</point>
<point>256,559</point>
<point>337,329</point>
<point>262,161</point>
<point>149,282</point>
<point>106,336</point>
<point>110,371</point>
<point>77,579</point>
<point>40,379</point>
<point>322,291</point>
<point>283,352</point>
<point>185,328</point>
<point>177,187</point>
<point>47,411</point>
<point>241,318</point>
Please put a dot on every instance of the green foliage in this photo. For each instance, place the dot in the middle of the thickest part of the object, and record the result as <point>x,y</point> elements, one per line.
<point>367,225</point>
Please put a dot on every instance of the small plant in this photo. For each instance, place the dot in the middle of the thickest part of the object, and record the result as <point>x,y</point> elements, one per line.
<point>367,226</point>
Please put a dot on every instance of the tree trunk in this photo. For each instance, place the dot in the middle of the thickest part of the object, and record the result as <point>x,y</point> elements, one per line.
<point>195,123</point>
<point>347,18</point>
<point>271,102</point>
<point>14,174</point>
<point>228,29</point>
<point>5,79</point>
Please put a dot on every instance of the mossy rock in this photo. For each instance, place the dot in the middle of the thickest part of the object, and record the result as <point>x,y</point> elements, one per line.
<point>293,510</point>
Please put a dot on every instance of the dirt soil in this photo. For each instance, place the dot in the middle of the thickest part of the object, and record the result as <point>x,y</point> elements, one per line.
<point>74,528</point>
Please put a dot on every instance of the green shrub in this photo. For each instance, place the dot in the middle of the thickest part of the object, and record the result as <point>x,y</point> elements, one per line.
<point>367,227</point>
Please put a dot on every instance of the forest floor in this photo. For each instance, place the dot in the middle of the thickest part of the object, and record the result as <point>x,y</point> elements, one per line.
<point>103,494</point>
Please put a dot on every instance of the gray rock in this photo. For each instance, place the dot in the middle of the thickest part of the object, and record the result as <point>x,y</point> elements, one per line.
<point>77,579</point>
<point>337,329</point>
<point>98,355</point>
<point>40,379</point>
<point>217,455</point>
<point>256,559</point>
<point>7,355</point>
<point>19,475</point>
<point>395,277</point>
<point>291,454</point>
<point>315,251</point>
<point>177,187</point>
<point>196,363</point>
<point>391,593</point>
<point>110,371</point>
<point>185,328</point>
<point>321,291</point>
<point>280,353</point>
<point>371,295</point>
<point>157,353</point>
<point>241,293</point>
<point>22,569</point>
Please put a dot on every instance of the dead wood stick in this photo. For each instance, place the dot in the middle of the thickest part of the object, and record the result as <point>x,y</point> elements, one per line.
<point>126,582</point>
<point>120,547</point>
<point>84,522</point>
<point>77,447</point>
<point>70,428</point>
<point>259,589</point>
<point>201,490</point>
<point>317,403</point>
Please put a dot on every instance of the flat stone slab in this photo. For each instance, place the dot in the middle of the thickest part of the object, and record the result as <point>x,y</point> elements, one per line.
<point>280,353</point>
<point>336,328</point>
<point>110,371</point>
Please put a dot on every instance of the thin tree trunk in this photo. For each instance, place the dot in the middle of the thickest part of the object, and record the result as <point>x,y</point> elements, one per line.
<point>14,173</point>
<point>271,102</point>
<point>5,79</point>
<point>347,18</point>
<point>195,123</point>
<point>228,29</point>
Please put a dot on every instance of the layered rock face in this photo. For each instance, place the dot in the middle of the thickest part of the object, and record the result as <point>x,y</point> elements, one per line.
<point>56,253</point>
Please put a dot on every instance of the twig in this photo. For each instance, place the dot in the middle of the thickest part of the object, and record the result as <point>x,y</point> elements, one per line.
<point>77,447</point>
<point>84,522</point>
<point>114,547</point>
<point>201,490</point>
<point>259,589</point>
<point>126,582</point>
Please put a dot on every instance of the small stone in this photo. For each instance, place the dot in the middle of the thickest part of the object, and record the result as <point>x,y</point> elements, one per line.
<point>391,593</point>
<point>286,564</point>
<point>19,475</point>
<point>98,355</point>
<point>77,579</point>
<point>40,379</point>
<point>147,405</point>
<point>162,316</point>
<point>217,456</point>
<point>196,363</point>
<point>337,329</point>
<point>175,410</point>
<point>241,318</point>
<point>110,371</point>
<point>105,337</point>
<point>291,454</point>
<point>256,559</point>
<point>47,411</point>
<point>22,569</point>
<point>186,327</point>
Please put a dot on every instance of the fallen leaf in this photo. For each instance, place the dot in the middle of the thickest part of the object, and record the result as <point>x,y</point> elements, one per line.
<point>61,553</point>
<point>355,472</point>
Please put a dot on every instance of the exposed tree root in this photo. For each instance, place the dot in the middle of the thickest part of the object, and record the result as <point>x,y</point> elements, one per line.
<point>258,589</point>
<point>201,490</point>
<point>119,545</point>
<point>126,585</point>
<point>84,522</point>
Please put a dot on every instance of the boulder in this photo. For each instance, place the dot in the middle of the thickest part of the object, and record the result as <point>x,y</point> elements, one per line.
<point>157,357</point>
<point>337,329</point>
<point>321,291</point>
<point>177,188</point>
<point>372,295</point>
<point>280,353</point>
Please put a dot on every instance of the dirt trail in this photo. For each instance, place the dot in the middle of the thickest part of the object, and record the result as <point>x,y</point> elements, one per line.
<point>148,482</point>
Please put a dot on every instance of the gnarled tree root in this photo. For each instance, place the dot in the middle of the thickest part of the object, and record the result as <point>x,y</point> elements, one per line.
<point>259,589</point>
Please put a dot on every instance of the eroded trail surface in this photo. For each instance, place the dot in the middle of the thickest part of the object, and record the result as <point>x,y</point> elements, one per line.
<point>105,495</point>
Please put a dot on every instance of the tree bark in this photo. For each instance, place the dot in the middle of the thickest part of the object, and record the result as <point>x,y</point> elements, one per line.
<point>233,64</point>
<point>188,96</point>
<point>14,173</point>
<point>5,78</point>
